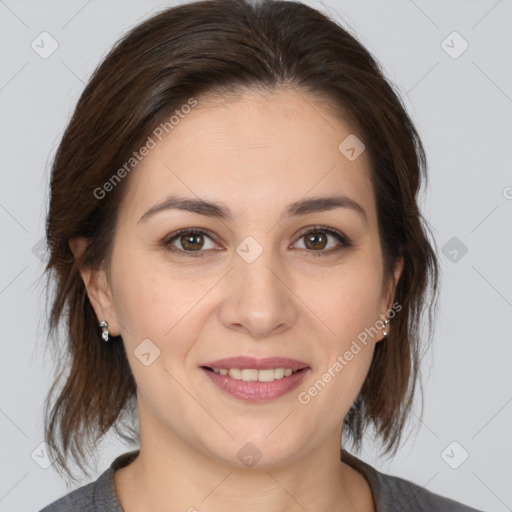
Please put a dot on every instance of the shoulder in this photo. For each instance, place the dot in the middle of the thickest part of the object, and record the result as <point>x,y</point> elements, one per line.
<point>80,499</point>
<point>398,494</point>
<point>99,495</point>
<point>395,494</point>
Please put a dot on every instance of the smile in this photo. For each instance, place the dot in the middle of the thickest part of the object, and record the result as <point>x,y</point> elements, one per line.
<point>255,375</point>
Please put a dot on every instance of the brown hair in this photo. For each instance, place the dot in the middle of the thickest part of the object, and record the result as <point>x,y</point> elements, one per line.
<point>225,46</point>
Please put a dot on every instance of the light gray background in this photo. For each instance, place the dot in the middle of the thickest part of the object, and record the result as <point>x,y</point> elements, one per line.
<point>462,107</point>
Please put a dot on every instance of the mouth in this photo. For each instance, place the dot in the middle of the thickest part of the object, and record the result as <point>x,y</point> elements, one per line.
<point>253,374</point>
<point>256,380</point>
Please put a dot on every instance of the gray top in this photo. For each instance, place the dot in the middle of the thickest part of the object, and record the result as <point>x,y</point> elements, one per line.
<point>390,493</point>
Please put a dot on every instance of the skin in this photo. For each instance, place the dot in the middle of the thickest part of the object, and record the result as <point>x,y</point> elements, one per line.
<point>256,153</point>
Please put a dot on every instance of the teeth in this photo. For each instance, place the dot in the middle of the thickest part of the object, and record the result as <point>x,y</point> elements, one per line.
<point>266,375</point>
<point>235,373</point>
<point>253,375</point>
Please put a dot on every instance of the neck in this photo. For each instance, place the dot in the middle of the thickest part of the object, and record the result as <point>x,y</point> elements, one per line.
<point>174,476</point>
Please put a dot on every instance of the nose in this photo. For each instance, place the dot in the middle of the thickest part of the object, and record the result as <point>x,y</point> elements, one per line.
<point>259,301</point>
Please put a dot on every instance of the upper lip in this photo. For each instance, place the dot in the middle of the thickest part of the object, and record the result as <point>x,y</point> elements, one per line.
<point>258,364</point>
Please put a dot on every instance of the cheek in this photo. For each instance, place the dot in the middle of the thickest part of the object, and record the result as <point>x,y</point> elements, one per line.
<point>349,301</point>
<point>349,306</point>
<point>153,303</point>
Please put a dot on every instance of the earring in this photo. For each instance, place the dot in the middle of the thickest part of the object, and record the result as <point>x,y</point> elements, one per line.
<point>385,331</point>
<point>104,331</point>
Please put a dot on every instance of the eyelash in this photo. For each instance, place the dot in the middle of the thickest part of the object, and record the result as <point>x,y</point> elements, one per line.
<point>343,239</point>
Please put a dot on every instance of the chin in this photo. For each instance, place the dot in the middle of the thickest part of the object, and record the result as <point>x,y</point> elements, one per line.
<point>255,449</point>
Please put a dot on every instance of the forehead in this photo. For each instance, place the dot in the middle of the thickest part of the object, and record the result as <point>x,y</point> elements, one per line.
<point>252,151</point>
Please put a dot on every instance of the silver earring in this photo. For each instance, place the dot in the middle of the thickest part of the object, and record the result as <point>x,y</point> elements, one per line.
<point>104,331</point>
<point>385,331</point>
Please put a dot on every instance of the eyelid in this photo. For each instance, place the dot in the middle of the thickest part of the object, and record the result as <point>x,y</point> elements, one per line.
<point>202,231</point>
<point>167,241</point>
<point>343,239</point>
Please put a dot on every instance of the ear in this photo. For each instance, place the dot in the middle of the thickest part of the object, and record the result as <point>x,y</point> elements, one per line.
<point>389,292</point>
<point>97,286</point>
<point>399,266</point>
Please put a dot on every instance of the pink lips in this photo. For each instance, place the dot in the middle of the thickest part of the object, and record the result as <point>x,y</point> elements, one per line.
<point>256,391</point>
<point>258,364</point>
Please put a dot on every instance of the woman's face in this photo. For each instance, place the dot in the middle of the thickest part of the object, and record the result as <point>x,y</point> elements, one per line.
<point>252,283</point>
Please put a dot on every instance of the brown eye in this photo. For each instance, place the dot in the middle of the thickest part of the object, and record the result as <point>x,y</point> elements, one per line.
<point>192,242</point>
<point>317,240</point>
<point>189,242</point>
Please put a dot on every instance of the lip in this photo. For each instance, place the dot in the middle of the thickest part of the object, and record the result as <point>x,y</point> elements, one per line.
<point>244,362</point>
<point>256,391</point>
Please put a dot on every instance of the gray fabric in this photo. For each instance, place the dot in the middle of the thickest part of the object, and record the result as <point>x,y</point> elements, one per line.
<point>390,493</point>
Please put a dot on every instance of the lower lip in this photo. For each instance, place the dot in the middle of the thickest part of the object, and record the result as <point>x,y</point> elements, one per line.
<point>256,391</point>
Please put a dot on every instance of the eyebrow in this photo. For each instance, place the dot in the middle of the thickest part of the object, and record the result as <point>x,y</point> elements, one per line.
<point>220,211</point>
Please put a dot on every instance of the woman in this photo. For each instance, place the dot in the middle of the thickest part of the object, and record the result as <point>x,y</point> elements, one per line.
<point>238,249</point>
